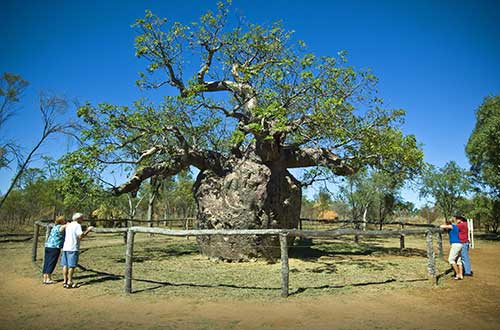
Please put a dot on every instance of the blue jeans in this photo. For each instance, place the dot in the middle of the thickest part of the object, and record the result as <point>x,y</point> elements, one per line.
<point>466,259</point>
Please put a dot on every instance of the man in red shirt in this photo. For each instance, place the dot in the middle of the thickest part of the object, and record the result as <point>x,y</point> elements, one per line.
<point>463,235</point>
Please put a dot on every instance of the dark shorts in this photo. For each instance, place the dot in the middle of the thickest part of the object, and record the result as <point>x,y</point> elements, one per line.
<point>69,258</point>
<point>50,259</point>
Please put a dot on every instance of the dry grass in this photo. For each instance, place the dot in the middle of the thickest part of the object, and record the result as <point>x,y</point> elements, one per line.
<point>172,267</point>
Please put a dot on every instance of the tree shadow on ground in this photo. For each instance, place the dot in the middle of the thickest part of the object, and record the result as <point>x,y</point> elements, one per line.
<point>488,236</point>
<point>160,253</point>
<point>307,249</point>
<point>15,238</point>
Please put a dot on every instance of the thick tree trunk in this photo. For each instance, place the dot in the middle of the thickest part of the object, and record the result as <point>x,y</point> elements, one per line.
<point>251,196</point>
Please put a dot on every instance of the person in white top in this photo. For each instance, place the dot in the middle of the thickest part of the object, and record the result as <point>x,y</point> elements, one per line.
<point>71,247</point>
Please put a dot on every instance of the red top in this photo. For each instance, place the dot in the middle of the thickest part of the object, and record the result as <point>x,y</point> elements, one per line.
<point>463,232</point>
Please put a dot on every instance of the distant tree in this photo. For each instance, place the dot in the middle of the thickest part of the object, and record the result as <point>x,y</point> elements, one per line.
<point>374,195</point>
<point>405,208</point>
<point>483,151</point>
<point>386,196</point>
<point>34,197</point>
<point>341,208</point>
<point>84,190</point>
<point>153,190</point>
<point>446,185</point>
<point>429,213</point>
<point>11,89</point>
<point>178,196</point>
<point>324,200</point>
<point>482,210</point>
<point>357,192</point>
<point>50,108</point>
<point>308,210</point>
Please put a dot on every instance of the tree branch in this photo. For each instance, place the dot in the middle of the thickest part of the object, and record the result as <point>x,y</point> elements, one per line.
<point>142,174</point>
<point>295,157</point>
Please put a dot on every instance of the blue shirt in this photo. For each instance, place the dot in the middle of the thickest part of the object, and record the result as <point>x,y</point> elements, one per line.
<point>454,234</point>
<point>56,238</point>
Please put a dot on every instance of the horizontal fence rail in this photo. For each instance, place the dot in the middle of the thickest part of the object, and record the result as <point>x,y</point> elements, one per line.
<point>132,220</point>
<point>333,221</point>
<point>281,233</point>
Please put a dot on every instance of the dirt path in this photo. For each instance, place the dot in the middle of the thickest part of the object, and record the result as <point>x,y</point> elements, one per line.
<point>470,304</point>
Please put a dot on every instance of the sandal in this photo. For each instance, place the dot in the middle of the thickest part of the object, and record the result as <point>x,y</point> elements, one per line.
<point>458,278</point>
<point>66,286</point>
<point>49,282</point>
<point>72,286</point>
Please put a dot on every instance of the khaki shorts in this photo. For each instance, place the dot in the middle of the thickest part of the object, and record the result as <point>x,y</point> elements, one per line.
<point>455,254</point>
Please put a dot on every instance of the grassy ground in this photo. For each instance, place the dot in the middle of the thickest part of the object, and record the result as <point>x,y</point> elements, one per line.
<point>172,267</point>
<point>335,285</point>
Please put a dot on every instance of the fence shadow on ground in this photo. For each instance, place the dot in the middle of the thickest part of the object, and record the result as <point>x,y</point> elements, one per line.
<point>341,286</point>
<point>442,275</point>
<point>97,276</point>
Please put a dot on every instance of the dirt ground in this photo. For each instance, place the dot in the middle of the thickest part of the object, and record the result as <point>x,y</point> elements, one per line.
<point>473,303</point>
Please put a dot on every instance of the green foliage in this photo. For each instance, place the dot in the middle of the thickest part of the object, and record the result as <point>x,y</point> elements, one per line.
<point>176,196</point>
<point>302,98</point>
<point>483,147</point>
<point>447,185</point>
<point>12,87</point>
<point>374,194</point>
<point>36,195</point>
<point>483,151</point>
<point>430,213</point>
<point>256,86</point>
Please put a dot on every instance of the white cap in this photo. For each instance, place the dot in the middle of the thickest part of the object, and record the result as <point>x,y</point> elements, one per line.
<point>77,216</point>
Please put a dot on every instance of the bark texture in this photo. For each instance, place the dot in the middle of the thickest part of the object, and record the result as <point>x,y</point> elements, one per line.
<point>250,196</point>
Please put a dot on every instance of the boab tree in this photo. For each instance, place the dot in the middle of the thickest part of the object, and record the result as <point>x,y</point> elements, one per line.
<point>257,106</point>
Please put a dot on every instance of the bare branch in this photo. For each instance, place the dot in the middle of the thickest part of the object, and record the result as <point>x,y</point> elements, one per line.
<point>142,174</point>
<point>49,107</point>
<point>295,157</point>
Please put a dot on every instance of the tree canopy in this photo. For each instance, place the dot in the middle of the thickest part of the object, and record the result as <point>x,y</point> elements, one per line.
<point>12,87</point>
<point>447,185</point>
<point>256,93</point>
<point>483,147</point>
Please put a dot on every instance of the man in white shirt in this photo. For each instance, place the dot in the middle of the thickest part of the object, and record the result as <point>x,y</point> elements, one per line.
<point>71,247</point>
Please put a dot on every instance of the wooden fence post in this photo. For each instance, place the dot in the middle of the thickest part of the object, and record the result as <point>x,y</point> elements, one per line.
<point>440,245</point>
<point>431,263</point>
<point>35,242</point>
<point>129,261</point>
<point>284,265</point>
<point>402,237</point>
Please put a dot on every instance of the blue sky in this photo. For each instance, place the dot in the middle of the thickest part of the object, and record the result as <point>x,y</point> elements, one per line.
<point>435,59</point>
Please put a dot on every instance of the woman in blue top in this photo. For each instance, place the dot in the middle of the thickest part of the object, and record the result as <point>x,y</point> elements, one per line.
<point>53,247</point>
<point>454,258</point>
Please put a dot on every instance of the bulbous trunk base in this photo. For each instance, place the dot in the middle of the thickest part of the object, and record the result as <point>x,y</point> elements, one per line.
<point>252,196</point>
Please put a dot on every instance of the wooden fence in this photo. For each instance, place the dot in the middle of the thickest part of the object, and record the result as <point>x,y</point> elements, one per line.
<point>185,223</point>
<point>282,233</point>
